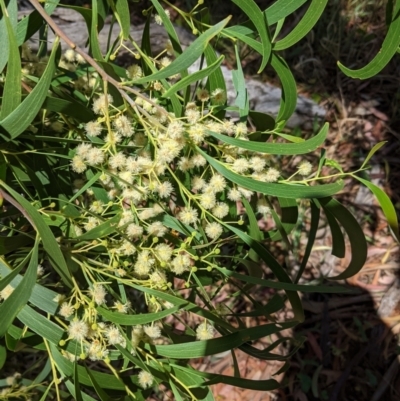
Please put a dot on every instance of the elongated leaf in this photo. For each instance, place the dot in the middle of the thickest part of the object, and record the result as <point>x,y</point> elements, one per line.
<point>277,148</point>
<point>284,190</point>
<point>289,88</point>
<point>94,38</point>
<point>310,18</point>
<point>132,320</point>
<point>262,385</point>
<point>188,57</point>
<point>276,268</point>
<point>338,242</point>
<point>254,230</point>
<point>280,285</point>
<point>123,16</point>
<point>242,99</point>
<point>100,392</point>
<point>375,148</point>
<point>315,214</point>
<point>240,33</point>
<point>169,27</point>
<point>107,381</point>
<point>386,205</point>
<point>77,386</point>
<point>261,121</point>
<point>389,47</point>
<point>41,296</point>
<point>9,275</point>
<point>281,230</point>
<point>185,305</point>
<point>251,9</point>
<point>196,76</point>
<point>10,308</point>
<point>7,19</point>
<point>281,9</point>
<point>175,391</point>
<point>9,244</point>
<point>73,109</point>
<point>12,87</point>
<point>288,219</point>
<point>199,349</point>
<point>216,79</point>
<point>358,244</point>
<point>106,228</point>
<point>3,356</point>
<point>16,122</point>
<point>31,24</point>
<point>49,242</point>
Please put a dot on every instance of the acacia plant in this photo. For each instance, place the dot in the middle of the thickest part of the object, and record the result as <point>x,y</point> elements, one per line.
<point>133,196</point>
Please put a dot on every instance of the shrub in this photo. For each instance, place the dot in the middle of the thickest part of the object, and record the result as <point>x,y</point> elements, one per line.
<point>132,197</point>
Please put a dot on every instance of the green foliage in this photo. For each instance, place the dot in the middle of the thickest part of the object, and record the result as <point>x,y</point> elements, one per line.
<point>131,198</point>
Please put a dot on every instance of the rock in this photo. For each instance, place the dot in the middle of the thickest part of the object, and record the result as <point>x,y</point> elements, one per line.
<point>263,96</point>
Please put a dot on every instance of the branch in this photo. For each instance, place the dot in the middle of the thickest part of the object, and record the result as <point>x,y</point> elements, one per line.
<point>59,32</point>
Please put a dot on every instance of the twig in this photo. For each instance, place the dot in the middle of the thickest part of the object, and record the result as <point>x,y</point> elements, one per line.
<point>59,32</point>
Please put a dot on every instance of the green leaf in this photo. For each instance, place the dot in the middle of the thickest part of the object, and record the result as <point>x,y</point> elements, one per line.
<point>132,320</point>
<point>287,286</point>
<point>289,88</point>
<point>27,27</point>
<point>87,16</point>
<point>262,385</point>
<point>70,108</point>
<point>277,148</point>
<point>107,381</point>
<point>288,219</point>
<point>386,205</point>
<point>262,121</point>
<point>242,99</point>
<point>281,9</point>
<point>310,18</point>
<point>188,57</point>
<point>198,349</point>
<point>77,386</point>
<point>358,244</point>
<point>10,244</point>
<point>41,296</point>
<point>281,230</point>
<point>16,122</point>
<point>123,17</point>
<point>88,184</point>
<point>99,391</point>
<point>175,391</point>
<point>10,308</point>
<point>276,268</point>
<point>168,26</point>
<point>106,228</point>
<point>9,275</point>
<point>93,35</point>
<point>49,242</point>
<point>388,50</point>
<point>251,9</point>
<point>315,214</point>
<point>254,230</point>
<point>173,37</point>
<point>284,190</point>
<point>241,33</point>
<point>3,356</point>
<point>375,148</point>
<point>196,76</point>
<point>338,242</point>
<point>216,79</point>
<point>7,19</point>
<point>12,87</point>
